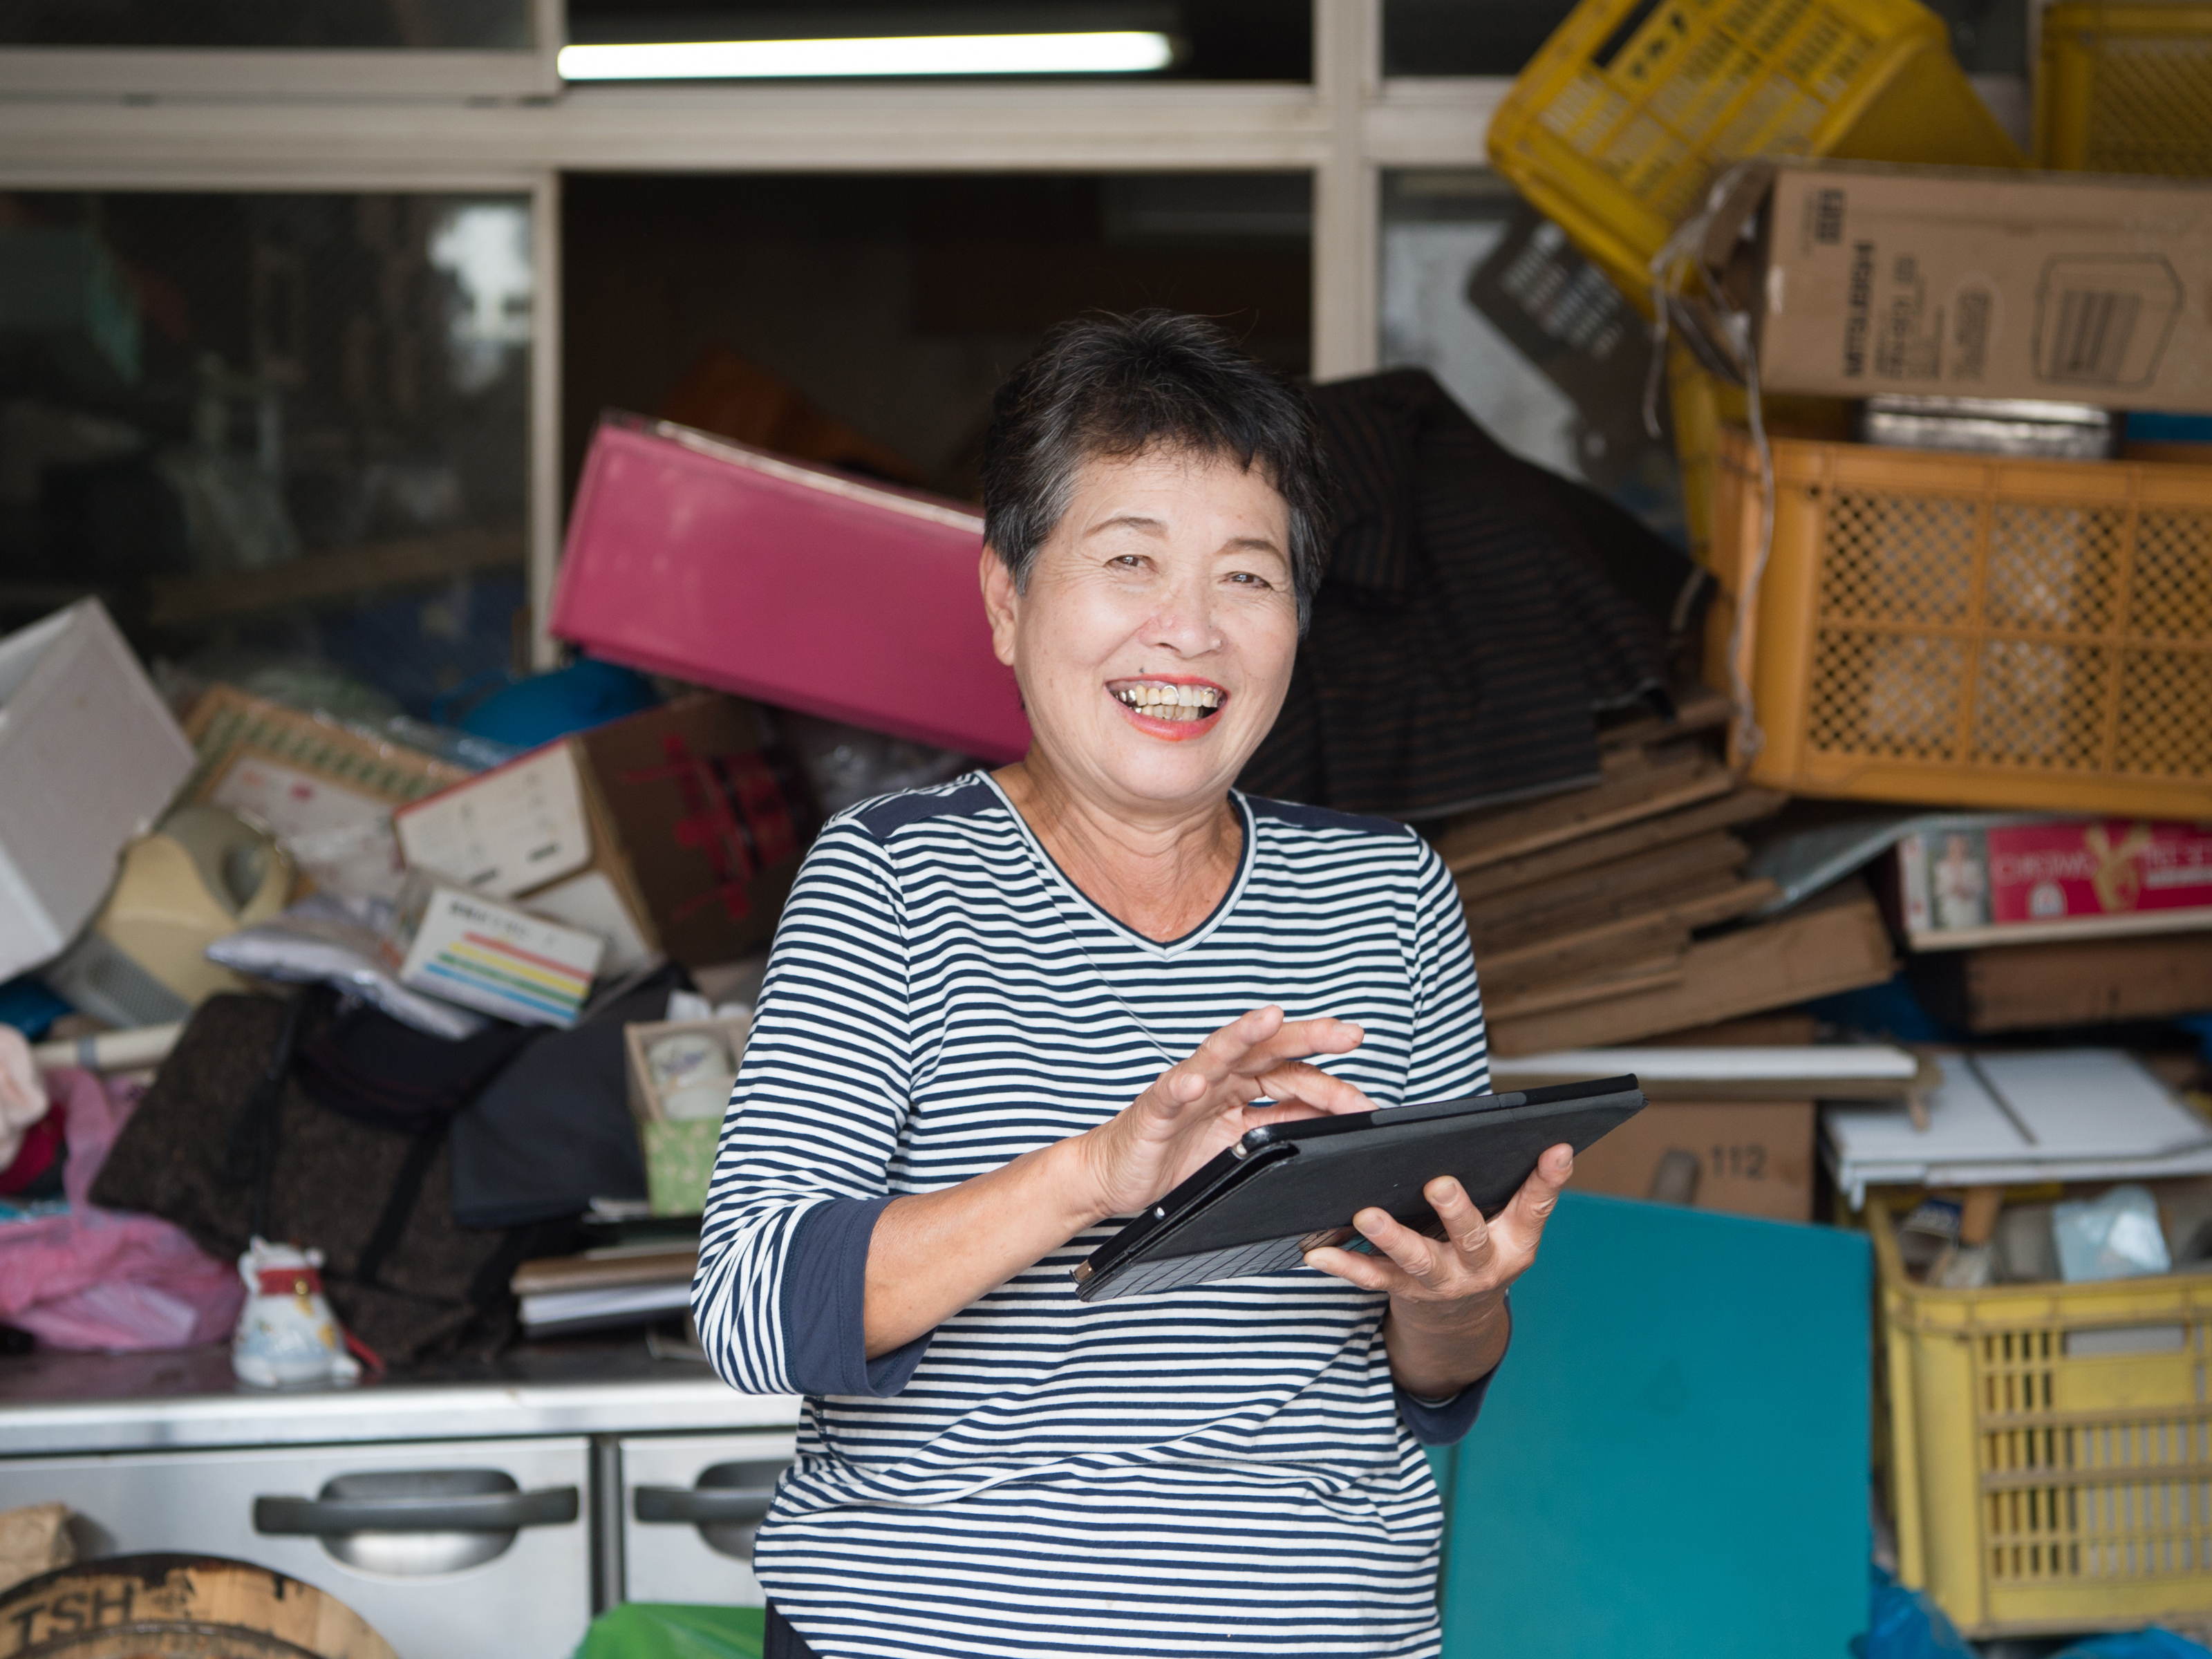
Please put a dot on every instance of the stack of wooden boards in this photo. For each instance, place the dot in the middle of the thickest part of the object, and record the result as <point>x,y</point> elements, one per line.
<point>1586,908</point>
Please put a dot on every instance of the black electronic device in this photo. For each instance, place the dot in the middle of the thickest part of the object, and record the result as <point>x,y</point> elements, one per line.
<point>1259,1206</point>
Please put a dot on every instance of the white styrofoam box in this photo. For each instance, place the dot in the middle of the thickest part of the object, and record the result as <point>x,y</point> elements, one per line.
<point>89,756</point>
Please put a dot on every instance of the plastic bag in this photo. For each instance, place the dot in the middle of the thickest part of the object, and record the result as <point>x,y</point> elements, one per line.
<point>2115,1237</point>
<point>667,1630</point>
<point>1905,1624</point>
<point>103,1278</point>
<point>321,940</point>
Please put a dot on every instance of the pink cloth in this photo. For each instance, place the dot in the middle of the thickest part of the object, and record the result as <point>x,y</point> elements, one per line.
<point>105,1279</point>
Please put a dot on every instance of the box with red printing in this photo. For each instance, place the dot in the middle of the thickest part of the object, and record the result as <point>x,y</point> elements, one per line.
<point>1995,883</point>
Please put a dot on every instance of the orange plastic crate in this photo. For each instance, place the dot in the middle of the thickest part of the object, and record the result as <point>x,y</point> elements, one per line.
<point>1969,630</point>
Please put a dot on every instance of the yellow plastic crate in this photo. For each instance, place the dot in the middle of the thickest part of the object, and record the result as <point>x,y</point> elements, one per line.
<point>1623,117</point>
<point>1970,631</point>
<point>2125,88</point>
<point>2050,1447</point>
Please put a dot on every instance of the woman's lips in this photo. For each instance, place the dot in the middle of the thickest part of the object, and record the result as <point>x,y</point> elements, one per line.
<point>1173,707</point>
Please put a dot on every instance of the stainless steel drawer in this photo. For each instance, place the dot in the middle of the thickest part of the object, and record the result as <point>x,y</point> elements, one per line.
<point>451,1549</point>
<point>690,1503</point>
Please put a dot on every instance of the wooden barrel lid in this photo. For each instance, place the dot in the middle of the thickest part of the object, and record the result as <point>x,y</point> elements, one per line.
<point>179,1607</point>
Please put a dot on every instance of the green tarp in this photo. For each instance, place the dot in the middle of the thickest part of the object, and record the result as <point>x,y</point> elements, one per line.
<point>663,1630</point>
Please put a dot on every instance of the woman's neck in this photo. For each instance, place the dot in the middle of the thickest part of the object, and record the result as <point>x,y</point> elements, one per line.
<point>1160,876</point>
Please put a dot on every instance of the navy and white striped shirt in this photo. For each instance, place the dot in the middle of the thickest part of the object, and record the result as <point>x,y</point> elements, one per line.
<point>1221,1468</point>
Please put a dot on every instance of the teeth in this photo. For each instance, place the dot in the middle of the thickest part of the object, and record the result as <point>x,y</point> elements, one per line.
<point>1177,698</point>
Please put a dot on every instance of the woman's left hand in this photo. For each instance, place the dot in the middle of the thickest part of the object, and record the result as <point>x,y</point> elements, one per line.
<point>1447,1327</point>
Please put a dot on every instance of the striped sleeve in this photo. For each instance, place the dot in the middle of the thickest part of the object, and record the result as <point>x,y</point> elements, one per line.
<point>1451,1046</point>
<point>819,1103</point>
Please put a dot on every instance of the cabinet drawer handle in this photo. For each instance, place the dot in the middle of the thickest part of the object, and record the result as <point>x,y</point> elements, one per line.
<point>702,1506</point>
<point>497,1511</point>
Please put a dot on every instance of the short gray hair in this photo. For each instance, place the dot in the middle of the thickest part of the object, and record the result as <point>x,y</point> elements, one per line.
<point>1106,385</point>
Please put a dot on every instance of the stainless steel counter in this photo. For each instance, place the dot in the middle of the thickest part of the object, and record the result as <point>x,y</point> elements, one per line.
<point>61,1403</point>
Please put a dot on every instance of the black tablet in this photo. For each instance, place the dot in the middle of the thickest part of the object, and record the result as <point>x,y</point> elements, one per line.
<point>1257,1208</point>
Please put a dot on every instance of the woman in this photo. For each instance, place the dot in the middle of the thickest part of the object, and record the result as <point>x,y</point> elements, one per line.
<point>1004,1014</point>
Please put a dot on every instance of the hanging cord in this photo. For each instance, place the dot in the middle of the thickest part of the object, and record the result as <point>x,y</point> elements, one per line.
<point>1675,256</point>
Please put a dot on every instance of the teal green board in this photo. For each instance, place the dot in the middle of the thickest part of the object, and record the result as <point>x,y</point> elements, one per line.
<point>1673,1462</point>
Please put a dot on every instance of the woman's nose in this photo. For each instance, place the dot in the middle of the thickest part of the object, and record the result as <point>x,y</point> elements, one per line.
<point>1184,622</point>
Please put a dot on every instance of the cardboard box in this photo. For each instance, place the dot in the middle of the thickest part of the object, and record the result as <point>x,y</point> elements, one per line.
<point>676,830</point>
<point>327,790</point>
<point>2090,981</point>
<point>1754,1157</point>
<point>89,756</point>
<point>1864,279</point>
<point>806,587</point>
<point>2014,883</point>
<point>679,1153</point>
<point>466,949</point>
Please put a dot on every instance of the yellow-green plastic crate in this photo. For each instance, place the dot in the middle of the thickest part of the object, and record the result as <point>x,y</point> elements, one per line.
<point>1624,117</point>
<point>2125,88</point>
<point>2050,1447</point>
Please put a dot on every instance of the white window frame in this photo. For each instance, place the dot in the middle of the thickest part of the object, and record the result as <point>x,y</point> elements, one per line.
<point>1343,130</point>
<point>275,72</point>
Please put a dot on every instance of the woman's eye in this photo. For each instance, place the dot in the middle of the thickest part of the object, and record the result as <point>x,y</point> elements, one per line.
<point>1248,579</point>
<point>1127,561</point>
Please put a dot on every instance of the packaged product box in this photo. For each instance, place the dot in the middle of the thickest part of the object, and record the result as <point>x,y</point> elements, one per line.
<point>325,791</point>
<point>679,1150</point>
<point>2015,883</point>
<point>676,830</point>
<point>491,957</point>
<point>89,756</point>
<point>1860,279</point>
<point>1752,1158</point>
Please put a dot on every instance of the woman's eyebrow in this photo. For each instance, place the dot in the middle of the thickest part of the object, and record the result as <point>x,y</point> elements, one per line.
<point>1150,526</point>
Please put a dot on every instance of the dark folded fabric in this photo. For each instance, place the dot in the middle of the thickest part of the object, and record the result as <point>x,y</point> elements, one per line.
<point>370,1066</point>
<point>553,1131</point>
<point>1477,613</point>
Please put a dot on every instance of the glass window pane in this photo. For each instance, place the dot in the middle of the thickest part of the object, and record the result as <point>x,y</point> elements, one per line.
<point>1465,37</point>
<point>1485,293</point>
<point>272,431</point>
<point>303,25</point>
<point>867,320</point>
<point>1213,40</point>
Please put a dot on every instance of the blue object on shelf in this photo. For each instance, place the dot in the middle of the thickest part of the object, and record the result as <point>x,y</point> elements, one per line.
<point>2152,426</point>
<point>586,693</point>
<point>2152,1644</point>
<point>29,1007</point>
<point>1672,1460</point>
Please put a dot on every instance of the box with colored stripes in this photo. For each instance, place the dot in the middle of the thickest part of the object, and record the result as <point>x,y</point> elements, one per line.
<point>454,944</point>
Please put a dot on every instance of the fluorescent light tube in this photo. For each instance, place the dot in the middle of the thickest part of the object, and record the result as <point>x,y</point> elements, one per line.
<point>1119,51</point>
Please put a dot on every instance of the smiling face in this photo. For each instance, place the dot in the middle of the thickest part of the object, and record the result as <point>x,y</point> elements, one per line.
<point>1154,642</point>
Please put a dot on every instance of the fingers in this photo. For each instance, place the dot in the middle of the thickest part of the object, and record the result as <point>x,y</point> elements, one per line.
<point>1260,1049</point>
<point>1294,1081</point>
<point>1539,1196</point>
<point>1463,1224</point>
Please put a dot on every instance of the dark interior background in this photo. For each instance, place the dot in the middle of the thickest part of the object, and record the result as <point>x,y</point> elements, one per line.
<point>898,304</point>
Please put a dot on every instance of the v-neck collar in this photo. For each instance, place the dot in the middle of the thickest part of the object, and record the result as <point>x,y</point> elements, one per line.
<point>1097,912</point>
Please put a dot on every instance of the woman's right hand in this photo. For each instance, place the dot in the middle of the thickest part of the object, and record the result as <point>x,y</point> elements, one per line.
<point>1198,1108</point>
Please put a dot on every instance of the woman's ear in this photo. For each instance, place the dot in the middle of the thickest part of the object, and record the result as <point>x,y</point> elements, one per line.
<point>1001,603</point>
